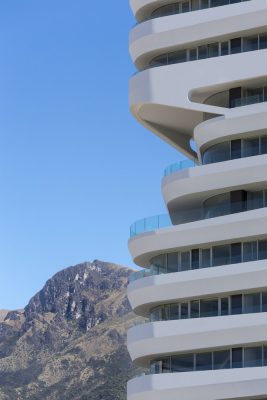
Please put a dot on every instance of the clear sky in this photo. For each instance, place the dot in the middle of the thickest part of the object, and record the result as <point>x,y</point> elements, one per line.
<point>76,169</point>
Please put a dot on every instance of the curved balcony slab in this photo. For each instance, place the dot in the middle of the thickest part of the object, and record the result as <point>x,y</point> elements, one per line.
<point>151,291</point>
<point>191,187</point>
<point>158,36</point>
<point>203,385</point>
<point>160,97</point>
<point>151,340</point>
<point>235,227</point>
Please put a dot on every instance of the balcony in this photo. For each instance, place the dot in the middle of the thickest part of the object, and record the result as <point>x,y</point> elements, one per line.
<point>184,164</point>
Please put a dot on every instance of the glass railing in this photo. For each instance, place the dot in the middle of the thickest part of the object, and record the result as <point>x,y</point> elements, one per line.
<point>150,224</point>
<point>191,215</point>
<point>135,276</point>
<point>248,100</point>
<point>184,164</point>
<point>187,6</point>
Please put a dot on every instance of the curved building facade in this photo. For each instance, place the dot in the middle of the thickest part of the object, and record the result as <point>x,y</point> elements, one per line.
<point>201,86</point>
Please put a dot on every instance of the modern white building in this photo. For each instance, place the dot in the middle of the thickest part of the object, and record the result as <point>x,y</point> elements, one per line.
<point>202,87</point>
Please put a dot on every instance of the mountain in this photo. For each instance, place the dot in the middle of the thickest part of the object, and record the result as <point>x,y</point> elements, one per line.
<point>3,314</point>
<point>70,340</point>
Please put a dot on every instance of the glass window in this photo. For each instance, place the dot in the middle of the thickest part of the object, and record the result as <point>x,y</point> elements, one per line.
<point>185,6</point>
<point>220,255</point>
<point>192,54</point>
<point>252,96</point>
<point>204,4</point>
<point>158,61</point>
<point>194,5</point>
<point>224,48</point>
<point>255,200</point>
<point>264,145</point>
<point>166,365</point>
<point>203,361</point>
<point>159,264</point>
<point>264,301</point>
<point>195,259</point>
<point>183,363</point>
<point>184,310</point>
<point>221,359</point>
<point>235,149</point>
<point>202,52</point>
<point>236,304</point>
<point>217,3</point>
<point>251,147</point>
<point>235,45</point>
<point>217,153</point>
<point>265,355</point>
<point>155,314</point>
<point>172,262</point>
<point>205,258</point>
<point>185,260</point>
<point>235,253</point>
<point>209,308</point>
<point>213,49</point>
<point>250,251</point>
<point>262,249</point>
<point>177,57</point>
<point>253,357</point>
<point>174,311</point>
<point>252,303</point>
<point>165,313</point>
<point>224,306</point>
<point>237,358</point>
<point>194,309</point>
<point>250,43</point>
<point>156,367</point>
<point>263,40</point>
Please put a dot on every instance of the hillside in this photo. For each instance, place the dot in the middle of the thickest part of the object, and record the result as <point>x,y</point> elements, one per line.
<point>69,342</point>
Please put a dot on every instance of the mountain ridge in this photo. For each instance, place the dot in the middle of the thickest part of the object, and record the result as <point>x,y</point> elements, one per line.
<point>71,338</point>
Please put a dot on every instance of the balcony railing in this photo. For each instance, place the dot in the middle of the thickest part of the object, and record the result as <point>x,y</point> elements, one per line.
<point>184,164</point>
<point>150,224</point>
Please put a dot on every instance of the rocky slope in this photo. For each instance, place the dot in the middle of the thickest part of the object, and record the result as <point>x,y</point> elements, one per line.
<point>3,314</point>
<point>69,342</point>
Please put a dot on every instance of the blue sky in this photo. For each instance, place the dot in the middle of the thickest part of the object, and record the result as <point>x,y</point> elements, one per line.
<point>76,169</point>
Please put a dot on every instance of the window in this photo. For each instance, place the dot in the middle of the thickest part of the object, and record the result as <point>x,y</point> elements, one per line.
<point>264,355</point>
<point>192,54</point>
<point>251,147</point>
<point>262,249</point>
<point>195,259</point>
<point>237,358</point>
<point>263,41</point>
<point>204,4</point>
<point>172,262</point>
<point>202,52</point>
<point>250,43</point>
<point>224,48</point>
<point>255,200</point>
<point>213,50</point>
<point>205,258</point>
<point>174,311</point>
<point>203,361</point>
<point>236,304</point>
<point>225,306</point>
<point>253,357</point>
<point>159,264</point>
<point>177,57</point>
<point>235,149</point>
<point>264,301</point>
<point>158,61</point>
<point>250,251</point>
<point>235,45</point>
<point>235,253</point>
<point>194,5</point>
<point>264,145</point>
<point>221,255</point>
<point>185,260</point>
<point>221,359</point>
<point>184,310</point>
<point>252,303</point>
<point>183,363</point>
<point>209,308</point>
<point>185,6</point>
<point>194,309</point>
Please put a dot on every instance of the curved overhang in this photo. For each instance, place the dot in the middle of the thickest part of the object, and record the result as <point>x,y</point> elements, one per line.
<point>147,293</point>
<point>189,188</point>
<point>159,339</point>
<point>166,34</point>
<point>250,383</point>
<point>207,232</point>
<point>168,100</point>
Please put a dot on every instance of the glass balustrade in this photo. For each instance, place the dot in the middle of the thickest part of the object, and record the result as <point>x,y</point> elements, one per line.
<point>184,164</point>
